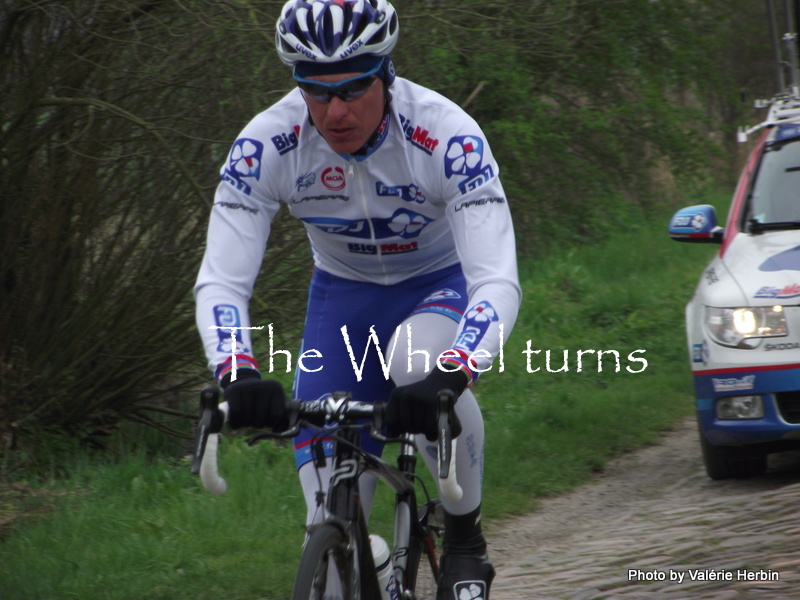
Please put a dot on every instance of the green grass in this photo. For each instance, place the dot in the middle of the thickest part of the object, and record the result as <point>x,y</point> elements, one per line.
<point>144,528</point>
<point>557,428</point>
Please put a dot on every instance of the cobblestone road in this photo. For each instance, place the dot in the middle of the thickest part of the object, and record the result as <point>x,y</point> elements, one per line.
<point>653,526</point>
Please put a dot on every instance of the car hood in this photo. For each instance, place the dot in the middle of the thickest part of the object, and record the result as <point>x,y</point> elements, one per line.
<point>766,267</point>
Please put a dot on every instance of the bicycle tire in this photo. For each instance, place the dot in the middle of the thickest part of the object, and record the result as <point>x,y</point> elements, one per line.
<point>327,562</point>
<point>422,574</point>
<point>423,569</point>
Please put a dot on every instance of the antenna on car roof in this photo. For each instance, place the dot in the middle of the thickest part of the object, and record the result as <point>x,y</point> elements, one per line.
<point>785,105</point>
<point>776,47</point>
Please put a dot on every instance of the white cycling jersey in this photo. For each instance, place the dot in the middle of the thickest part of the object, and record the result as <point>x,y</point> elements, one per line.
<point>426,196</point>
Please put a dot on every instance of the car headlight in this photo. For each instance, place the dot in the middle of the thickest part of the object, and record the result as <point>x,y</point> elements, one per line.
<point>743,327</point>
<point>740,408</point>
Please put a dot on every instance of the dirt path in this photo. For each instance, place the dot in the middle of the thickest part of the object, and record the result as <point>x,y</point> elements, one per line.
<point>654,526</point>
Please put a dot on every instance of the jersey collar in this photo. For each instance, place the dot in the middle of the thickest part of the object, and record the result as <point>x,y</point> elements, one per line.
<point>373,143</point>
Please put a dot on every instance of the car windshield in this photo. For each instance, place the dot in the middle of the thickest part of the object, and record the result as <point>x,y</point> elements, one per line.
<point>775,194</point>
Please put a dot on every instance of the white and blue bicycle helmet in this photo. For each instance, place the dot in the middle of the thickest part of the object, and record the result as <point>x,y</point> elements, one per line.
<point>337,36</point>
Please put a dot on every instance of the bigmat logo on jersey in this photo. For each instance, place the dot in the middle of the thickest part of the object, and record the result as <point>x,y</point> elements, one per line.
<point>389,248</point>
<point>419,137</point>
<point>286,142</point>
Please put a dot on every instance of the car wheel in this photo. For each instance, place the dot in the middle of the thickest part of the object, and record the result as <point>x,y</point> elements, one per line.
<point>732,462</point>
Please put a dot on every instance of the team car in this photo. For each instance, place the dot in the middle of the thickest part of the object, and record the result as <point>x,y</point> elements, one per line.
<point>743,321</point>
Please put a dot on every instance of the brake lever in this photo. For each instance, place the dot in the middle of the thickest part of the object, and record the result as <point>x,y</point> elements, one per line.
<point>263,435</point>
<point>445,434</point>
<point>210,422</point>
<point>294,426</point>
<point>448,484</point>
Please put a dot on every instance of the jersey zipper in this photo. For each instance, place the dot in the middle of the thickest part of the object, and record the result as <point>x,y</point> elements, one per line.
<point>355,176</point>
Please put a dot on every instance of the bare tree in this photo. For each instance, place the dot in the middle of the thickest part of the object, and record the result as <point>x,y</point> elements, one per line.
<point>116,119</point>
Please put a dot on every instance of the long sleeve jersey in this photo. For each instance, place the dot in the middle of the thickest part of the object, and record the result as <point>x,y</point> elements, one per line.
<point>426,197</point>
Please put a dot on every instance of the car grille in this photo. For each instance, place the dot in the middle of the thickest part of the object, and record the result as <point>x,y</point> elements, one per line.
<point>789,405</point>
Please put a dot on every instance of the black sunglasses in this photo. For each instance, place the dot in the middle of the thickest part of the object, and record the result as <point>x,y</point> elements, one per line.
<point>347,90</point>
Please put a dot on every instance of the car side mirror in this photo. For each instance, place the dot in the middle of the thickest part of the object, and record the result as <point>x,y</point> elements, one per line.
<point>696,224</point>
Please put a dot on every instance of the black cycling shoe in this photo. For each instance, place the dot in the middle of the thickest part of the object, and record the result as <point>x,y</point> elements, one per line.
<point>467,577</point>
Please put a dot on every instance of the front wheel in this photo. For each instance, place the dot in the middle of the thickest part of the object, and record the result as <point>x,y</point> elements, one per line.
<point>423,559</point>
<point>423,569</point>
<point>328,569</point>
<point>732,462</point>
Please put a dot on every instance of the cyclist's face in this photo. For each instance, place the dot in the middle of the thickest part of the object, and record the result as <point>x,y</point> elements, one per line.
<point>347,126</point>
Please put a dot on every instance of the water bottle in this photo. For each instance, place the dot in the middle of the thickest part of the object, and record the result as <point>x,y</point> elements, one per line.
<point>383,562</point>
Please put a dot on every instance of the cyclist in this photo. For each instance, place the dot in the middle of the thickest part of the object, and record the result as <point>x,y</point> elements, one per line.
<point>412,242</point>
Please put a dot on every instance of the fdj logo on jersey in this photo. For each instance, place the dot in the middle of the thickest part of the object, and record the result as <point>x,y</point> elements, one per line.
<point>286,142</point>
<point>409,193</point>
<point>244,164</point>
<point>478,320</point>
<point>226,316</point>
<point>464,157</point>
<point>403,223</point>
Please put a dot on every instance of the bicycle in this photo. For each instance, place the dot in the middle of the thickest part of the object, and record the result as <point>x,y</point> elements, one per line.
<point>334,559</point>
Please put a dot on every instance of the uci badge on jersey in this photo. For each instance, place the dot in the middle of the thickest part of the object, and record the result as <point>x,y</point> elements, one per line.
<point>464,158</point>
<point>244,164</point>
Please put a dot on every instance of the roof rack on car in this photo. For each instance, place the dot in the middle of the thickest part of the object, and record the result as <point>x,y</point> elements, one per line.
<point>785,105</point>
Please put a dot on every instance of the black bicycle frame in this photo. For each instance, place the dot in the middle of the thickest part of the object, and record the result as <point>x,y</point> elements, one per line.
<point>344,500</point>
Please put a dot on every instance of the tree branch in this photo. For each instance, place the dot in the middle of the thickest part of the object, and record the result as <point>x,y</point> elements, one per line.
<point>149,127</point>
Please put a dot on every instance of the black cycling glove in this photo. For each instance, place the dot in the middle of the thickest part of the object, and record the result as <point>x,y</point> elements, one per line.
<point>256,403</point>
<point>414,408</point>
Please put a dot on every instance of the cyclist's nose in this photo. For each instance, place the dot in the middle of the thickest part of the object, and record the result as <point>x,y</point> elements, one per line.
<point>337,108</point>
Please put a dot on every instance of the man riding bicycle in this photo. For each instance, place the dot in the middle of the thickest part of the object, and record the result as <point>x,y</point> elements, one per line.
<point>412,242</point>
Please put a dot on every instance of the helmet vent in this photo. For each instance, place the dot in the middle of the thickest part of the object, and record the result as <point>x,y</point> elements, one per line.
<point>328,31</point>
